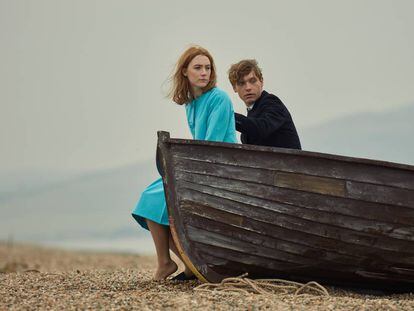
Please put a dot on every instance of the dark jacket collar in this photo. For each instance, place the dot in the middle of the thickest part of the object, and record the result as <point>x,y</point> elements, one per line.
<point>259,100</point>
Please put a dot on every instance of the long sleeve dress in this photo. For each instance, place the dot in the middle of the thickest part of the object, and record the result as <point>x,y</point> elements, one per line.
<point>209,117</point>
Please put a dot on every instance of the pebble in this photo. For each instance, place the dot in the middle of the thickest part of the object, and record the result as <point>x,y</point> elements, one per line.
<point>88,281</point>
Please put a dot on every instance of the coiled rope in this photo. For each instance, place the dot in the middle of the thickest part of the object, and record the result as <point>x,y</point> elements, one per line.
<point>245,285</point>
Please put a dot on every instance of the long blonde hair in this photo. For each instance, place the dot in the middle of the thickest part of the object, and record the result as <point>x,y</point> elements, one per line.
<point>181,91</point>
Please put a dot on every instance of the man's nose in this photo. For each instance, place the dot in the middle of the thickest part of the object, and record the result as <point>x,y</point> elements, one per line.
<point>248,86</point>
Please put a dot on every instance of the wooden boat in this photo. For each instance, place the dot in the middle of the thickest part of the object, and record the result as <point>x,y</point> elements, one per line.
<point>290,214</point>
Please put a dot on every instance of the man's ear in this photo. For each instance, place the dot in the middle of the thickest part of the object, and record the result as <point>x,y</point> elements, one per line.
<point>234,89</point>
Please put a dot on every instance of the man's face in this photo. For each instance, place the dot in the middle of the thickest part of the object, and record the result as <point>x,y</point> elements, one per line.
<point>249,88</point>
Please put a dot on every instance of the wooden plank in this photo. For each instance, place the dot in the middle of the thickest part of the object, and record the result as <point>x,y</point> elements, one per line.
<point>242,262</point>
<point>371,230</point>
<point>323,216</point>
<point>284,151</point>
<point>400,216</point>
<point>245,258</point>
<point>321,258</point>
<point>264,176</point>
<point>229,244</point>
<point>266,222</point>
<point>308,183</point>
<point>241,233</point>
<point>296,163</point>
<point>380,194</point>
<point>224,241</point>
<point>227,268</point>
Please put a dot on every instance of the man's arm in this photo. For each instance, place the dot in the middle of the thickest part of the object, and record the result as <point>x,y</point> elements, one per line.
<point>259,128</point>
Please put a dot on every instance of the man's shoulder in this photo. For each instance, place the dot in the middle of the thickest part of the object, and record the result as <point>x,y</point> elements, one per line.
<point>271,102</point>
<point>271,98</point>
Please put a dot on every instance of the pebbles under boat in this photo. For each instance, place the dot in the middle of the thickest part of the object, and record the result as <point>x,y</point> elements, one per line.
<point>291,214</point>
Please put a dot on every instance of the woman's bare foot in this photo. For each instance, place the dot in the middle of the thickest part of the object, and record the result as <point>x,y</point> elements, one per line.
<point>165,270</point>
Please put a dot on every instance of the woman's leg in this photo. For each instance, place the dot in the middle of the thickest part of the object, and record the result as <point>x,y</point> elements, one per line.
<point>160,235</point>
<point>174,249</point>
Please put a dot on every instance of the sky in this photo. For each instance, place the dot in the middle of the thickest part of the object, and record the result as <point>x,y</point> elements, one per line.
<point>83,83</point>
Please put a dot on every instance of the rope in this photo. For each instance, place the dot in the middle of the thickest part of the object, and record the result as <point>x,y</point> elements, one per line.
<point>242,284</point>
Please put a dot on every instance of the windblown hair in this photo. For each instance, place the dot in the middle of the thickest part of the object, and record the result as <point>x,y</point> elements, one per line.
<point>238,71</point>
<point>181,91</point>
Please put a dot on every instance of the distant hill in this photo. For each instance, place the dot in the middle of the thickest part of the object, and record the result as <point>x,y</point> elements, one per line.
<point>94,209</point>
<point>383,136</point>
<point>94,206</point>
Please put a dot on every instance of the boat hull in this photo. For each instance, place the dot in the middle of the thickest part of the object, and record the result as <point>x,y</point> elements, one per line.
<point>291,214</point>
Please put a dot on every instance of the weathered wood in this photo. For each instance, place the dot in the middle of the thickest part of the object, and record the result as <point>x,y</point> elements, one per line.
<point>288,213</point>
<point>308,183</point>
<point>300,213</point>
<point>380,194</point>
<point>270,259</point>
<point>316,164</point>
<point>301,237</point>
<point>302,250</point>
<point>360,209</point>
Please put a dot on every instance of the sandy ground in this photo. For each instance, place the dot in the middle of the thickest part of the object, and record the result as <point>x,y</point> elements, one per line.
<point>33,277</point>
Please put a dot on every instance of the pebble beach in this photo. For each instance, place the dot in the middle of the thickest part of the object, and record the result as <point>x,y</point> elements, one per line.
<point>38,278</point>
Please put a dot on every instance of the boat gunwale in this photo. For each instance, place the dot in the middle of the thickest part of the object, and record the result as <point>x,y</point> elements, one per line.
<point>179,157</point>
<point>305,153</point>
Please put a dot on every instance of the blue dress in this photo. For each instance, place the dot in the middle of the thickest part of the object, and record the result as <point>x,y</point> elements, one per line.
<point>210,117</point>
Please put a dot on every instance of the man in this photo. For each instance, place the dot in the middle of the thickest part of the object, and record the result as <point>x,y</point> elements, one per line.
<point>268,122</point>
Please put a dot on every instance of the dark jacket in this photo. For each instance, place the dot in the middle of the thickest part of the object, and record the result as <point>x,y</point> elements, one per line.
<point>268,124</point>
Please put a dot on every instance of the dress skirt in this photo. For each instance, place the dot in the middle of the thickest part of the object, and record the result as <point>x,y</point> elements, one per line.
<point>152,205</point>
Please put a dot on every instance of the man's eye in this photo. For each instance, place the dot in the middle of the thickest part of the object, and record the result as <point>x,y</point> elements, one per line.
<point>253,80</point>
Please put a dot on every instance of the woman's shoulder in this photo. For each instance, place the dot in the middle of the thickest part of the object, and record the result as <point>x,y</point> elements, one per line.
<point>217,94</point>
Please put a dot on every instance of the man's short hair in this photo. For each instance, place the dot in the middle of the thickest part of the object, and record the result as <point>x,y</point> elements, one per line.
<point>239,70</point>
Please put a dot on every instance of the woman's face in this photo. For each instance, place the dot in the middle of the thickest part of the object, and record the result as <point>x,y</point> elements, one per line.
<point>198,72</point>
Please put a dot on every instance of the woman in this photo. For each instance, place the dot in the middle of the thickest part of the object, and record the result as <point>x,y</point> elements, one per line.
<point>210,116</point>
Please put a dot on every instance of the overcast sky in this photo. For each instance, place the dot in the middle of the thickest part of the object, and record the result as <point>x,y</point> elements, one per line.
<point>83,83</point>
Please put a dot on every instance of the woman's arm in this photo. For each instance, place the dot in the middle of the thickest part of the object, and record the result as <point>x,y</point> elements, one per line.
<point>220,115</point>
